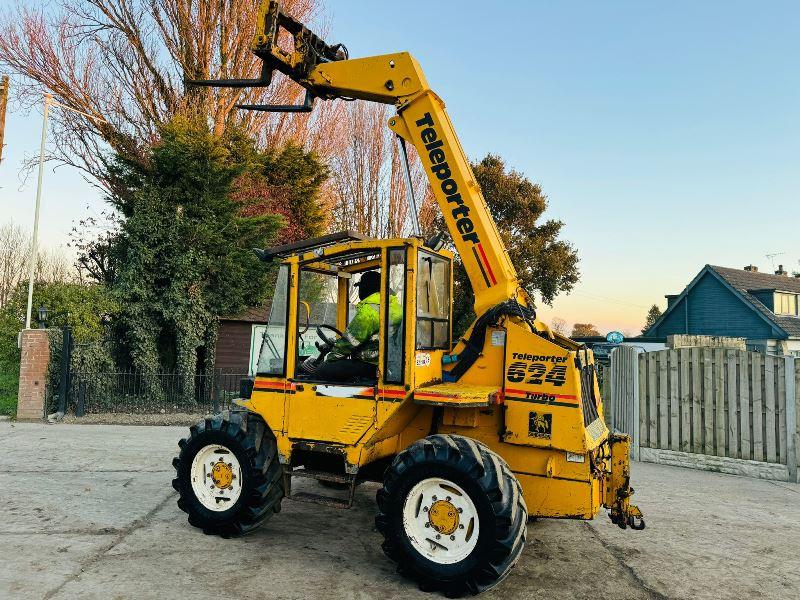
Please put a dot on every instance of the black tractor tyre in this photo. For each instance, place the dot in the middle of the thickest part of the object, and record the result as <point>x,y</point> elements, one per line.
<point>262,487</point>
<point>497,498</point>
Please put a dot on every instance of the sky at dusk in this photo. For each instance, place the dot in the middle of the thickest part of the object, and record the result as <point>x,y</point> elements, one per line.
<point>666,136</point>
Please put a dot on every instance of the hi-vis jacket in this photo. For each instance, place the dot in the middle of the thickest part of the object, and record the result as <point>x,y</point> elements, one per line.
<point>360,339</point>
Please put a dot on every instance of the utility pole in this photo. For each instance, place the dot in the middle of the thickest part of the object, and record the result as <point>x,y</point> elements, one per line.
<point>3,104</point>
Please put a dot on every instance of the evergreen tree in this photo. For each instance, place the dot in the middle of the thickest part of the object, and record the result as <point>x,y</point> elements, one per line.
<point>186,237</point>
<point>653,315</point>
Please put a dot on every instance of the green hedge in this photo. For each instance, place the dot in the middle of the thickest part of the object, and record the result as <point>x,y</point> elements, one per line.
<point>9,384</point>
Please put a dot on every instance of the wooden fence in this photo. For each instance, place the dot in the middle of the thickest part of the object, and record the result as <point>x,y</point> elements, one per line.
<point>621,393</point>
<point>709,402</point>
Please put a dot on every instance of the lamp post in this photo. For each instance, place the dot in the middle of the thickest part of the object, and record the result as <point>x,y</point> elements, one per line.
<point>48,100</point>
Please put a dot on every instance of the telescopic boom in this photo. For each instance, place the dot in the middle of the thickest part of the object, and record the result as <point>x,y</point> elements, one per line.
<point>327,73</point>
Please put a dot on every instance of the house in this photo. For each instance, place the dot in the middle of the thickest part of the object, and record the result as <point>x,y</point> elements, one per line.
<point>763,308</point>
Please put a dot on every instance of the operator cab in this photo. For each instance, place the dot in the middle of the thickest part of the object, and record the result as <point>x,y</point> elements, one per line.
<point>317,292</point>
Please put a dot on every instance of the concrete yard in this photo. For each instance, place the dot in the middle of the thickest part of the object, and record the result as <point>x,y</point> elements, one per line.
<point>88,512</point>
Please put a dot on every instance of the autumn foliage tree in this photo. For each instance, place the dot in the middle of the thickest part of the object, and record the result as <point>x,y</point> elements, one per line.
<point>545,264</point>
<point>584,330</point>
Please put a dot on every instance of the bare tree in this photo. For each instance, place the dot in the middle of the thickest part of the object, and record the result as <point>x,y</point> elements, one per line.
<point>95,240</point>
<point>368,184</point>
<point>559,326</point>
<point>14,249</point>
<point>52,266</point>
<point>126,60</point>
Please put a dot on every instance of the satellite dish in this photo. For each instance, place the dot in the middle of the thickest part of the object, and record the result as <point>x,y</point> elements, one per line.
<point>615,337</point>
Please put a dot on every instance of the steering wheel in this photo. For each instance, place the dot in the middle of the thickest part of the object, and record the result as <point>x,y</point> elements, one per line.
<point>328,342</point>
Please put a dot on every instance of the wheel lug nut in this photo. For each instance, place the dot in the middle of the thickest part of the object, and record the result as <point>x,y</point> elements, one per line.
<point>434,498</point>
<point>448,498</point>
<point>452,537</point>
<point>438,536</point>
<point>427,524</point>
<point>425,508</point>
<point>461,527</point>
<point>461,510</point>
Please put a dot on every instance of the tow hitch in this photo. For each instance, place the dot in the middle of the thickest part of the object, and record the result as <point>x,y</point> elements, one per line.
<point>617,486</point>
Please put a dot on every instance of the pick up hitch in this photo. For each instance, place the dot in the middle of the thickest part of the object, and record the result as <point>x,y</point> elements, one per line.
<point>621,512</point>
<point>624,515</point>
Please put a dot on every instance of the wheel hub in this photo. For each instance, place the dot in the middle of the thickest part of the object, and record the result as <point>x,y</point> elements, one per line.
<point>216,477</point>
<point>222,474</point>
<point>443,517</point>
<point>441,520</point>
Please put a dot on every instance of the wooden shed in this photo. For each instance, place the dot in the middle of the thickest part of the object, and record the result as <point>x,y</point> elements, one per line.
<point>236,342</point>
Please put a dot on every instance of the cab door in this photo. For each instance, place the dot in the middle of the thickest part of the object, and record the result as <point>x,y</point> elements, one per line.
<point>324,411</point>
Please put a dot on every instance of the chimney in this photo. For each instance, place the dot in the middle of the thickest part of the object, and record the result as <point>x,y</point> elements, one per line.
<point>780,271</point>
<point>671,299</point>
<point>751,268</point>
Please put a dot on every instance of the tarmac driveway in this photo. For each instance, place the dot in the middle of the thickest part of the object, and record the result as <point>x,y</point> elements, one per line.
<point>88,512</point>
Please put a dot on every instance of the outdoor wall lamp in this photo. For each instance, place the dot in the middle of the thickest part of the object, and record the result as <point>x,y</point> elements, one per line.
<point>43,314</point>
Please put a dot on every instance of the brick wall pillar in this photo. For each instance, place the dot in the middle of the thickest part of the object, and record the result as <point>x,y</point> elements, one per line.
<point>35,356</point>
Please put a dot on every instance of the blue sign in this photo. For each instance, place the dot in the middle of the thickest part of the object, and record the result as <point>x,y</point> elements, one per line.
<point>614,337</point>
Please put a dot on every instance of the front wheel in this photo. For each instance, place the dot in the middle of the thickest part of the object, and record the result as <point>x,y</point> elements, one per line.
<point>452,515</point>
<point>228,474</point>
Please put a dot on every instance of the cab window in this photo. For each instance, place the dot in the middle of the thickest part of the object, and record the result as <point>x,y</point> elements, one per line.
<point>395,339</point>
<point>317,305</point>
<point>433,302</point>
<point>272,357</point>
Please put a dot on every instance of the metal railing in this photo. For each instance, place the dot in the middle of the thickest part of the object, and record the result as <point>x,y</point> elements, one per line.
<point>151,393</point>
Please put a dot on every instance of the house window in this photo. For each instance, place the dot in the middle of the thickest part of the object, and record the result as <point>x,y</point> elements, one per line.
<point>785,304</point>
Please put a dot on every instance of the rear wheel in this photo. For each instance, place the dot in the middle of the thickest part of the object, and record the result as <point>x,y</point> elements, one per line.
<point>228,474</point>
<point>452,515</point>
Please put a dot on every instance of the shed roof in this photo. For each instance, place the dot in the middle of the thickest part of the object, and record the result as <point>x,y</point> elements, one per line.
<point>258,314</point>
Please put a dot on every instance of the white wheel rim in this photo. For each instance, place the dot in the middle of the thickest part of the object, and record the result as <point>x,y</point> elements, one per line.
<point>432,528</point>
<point>216,477</point>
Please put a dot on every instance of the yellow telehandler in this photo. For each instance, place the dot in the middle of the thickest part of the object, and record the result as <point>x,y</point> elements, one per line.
<point>468,437</point>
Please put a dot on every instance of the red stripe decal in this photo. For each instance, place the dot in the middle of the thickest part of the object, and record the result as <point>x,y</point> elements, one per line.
<point>273,386</point>
<point>486,262</point>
